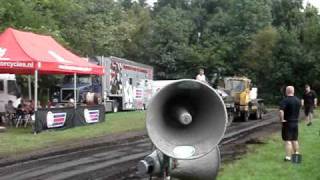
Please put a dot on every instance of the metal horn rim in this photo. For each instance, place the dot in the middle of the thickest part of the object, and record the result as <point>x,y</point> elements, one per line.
<point>150,117</point>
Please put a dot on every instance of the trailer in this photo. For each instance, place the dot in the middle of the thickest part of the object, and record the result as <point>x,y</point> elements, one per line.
<point>126,85</point>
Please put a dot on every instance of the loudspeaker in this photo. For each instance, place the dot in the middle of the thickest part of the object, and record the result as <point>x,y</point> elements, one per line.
<point>204,168</point>
<point>186,119</point>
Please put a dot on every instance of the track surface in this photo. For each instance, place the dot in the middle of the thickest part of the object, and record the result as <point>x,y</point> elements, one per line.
<point>117,161</point>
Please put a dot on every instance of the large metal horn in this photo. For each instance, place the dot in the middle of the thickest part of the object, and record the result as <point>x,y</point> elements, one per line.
<point>186,119</point>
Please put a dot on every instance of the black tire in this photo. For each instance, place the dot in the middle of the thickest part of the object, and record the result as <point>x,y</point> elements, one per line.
<point>260,114</point>
<point>261,110</point>
<point>115,106</point>
<point>245,116</point>
<point>230,118</point>
<point>257,114</point>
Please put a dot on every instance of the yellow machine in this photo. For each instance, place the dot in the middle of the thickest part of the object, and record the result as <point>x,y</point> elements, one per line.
<point>245,98</point>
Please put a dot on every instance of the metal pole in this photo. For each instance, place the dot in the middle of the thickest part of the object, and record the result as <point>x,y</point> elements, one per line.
<point>75,90</point>
<point>36,90</point>
<point>29,86</point>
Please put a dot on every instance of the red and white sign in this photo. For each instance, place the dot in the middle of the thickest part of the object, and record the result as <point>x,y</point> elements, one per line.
<point>2,53</point>
<point>91,116</point>
<point>139,93</point>
<point>55,120</point>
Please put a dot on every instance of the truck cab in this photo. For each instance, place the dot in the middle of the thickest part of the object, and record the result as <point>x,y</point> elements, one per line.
<point>239,89</point>
<point>245,98</point>
<point>8,91</point>
<point>85,83</point>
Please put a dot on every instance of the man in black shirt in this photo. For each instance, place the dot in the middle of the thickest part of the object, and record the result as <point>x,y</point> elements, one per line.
<point>289,115</point>
<point>309,101</point>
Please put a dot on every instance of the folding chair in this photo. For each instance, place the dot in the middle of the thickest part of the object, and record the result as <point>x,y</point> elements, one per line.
<point>28,119</point>
<point>21,116</point>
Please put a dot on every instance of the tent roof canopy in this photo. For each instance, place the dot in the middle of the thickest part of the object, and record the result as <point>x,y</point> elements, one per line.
<point>24,52</point>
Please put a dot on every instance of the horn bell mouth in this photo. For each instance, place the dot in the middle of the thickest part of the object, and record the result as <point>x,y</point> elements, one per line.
<point>186,113</point>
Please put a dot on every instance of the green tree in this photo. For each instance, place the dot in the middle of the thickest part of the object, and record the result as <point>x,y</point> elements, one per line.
<point>287,13</point>
<point>140,35</point>
<point>171,30</point>
<point>98,27</point>
<point>26,15</point>
<point>311,48</point>
<point>258,58</point>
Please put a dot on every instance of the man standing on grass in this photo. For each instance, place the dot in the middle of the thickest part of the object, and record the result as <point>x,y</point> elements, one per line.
<point>289,115</point>
<point>309,101</point>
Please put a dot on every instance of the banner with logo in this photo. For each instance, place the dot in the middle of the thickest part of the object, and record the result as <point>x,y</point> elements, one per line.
<point>138,93</point>
<point>55,120</point>
<point>47,118</point>
<point>68,117</point>
<point>89,114</point>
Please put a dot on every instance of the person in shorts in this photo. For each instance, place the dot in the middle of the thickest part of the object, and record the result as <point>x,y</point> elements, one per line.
<point>289,115</point>
<point>309,101</point>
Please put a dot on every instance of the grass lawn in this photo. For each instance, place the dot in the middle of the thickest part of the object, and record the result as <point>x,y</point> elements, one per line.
<point>16,140</point>
<point>265,162</point>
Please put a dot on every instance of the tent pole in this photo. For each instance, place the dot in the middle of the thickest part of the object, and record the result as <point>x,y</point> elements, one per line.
<point>36,90</point>
<point>29,87</point>
<point>75,90</point>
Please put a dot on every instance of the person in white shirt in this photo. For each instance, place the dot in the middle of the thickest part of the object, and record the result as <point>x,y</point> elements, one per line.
<point>201,77</point>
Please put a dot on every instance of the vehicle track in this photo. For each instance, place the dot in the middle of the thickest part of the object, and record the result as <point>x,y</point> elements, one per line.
<point>117,161</point>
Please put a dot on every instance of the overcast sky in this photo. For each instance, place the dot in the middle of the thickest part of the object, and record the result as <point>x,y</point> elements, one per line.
<point>151,1</point>
<point>316,3</point>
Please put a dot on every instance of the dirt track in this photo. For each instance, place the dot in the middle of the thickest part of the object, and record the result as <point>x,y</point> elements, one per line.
<point>117,160</point>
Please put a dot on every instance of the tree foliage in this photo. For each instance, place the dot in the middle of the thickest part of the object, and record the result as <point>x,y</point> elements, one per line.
<point>274,42</point>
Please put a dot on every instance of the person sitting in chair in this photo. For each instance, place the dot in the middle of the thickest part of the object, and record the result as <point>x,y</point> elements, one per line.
<point>10,112</point>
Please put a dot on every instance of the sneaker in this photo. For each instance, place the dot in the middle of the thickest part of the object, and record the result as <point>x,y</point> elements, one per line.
<point>286,159</point>
<point>309,124</point>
